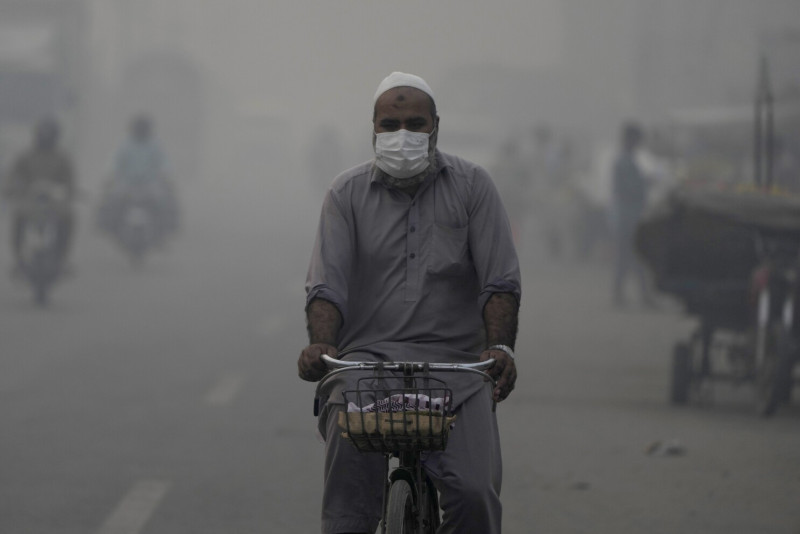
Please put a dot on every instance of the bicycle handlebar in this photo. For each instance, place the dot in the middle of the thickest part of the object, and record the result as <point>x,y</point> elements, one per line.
<point>338,366</point>
<point>333,363</point>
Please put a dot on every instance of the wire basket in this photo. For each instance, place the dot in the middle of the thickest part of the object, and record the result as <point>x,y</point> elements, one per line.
<point>401,419</point>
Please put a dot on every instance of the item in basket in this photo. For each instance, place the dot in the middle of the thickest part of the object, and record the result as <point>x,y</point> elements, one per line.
<point>402,403</point>
<point>395,423</point>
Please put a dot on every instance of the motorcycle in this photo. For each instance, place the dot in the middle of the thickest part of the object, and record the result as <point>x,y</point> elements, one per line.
<point>138,229</point>
<point>132,215</point>
<point>44,215</point>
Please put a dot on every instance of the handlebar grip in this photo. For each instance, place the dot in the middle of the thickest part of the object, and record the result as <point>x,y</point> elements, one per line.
<point>480,366</point>
<point>333,363</point>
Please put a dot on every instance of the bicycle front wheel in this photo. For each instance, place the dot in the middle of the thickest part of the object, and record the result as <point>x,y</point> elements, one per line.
<point>400,509</point>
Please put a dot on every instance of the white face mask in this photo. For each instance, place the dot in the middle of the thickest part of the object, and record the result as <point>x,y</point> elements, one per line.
<point>402,154</point>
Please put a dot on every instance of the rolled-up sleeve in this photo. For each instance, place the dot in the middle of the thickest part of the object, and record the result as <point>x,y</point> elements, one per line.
<point>491,241</point>
<point>329,269</point>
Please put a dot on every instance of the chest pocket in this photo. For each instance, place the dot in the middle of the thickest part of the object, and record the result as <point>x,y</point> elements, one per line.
<point>450,250</point>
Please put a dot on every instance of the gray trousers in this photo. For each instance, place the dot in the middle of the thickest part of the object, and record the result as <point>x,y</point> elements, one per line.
<point>468,475</point>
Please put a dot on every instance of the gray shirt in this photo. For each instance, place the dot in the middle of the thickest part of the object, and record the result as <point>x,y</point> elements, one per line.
<point>410,275</point>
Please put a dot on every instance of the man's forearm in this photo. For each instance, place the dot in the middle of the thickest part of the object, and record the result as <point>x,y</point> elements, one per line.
<point>323,322</point>
<point>500,316</point>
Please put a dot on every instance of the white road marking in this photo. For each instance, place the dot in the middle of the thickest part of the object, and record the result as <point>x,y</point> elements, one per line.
<point>225,389</point>
<point>136,508</point>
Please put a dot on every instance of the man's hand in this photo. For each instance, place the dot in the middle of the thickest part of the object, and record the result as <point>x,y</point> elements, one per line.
<point>504,371</point>
<point>310,366</point>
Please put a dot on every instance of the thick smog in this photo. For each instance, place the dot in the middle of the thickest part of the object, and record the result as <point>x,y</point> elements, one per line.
<point>598,199</point>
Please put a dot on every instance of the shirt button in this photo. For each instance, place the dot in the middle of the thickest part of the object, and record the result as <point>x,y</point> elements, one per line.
<point>412,255</point>
<point>413,229</point>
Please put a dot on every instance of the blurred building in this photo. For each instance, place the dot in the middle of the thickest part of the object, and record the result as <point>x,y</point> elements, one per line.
<point>622,59</point>
<point>43,68</point>
<point>141,63</point>
<point>582,66</point>
<point>93,64</point>
<point>644,58</point>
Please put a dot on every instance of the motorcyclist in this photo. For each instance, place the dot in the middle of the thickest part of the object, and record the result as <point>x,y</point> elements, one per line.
<point>141,166</point>
<point>42,165</point>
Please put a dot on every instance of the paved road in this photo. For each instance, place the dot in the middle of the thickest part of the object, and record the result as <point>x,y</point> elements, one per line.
<point>166,401</point>
<point>594,402</point>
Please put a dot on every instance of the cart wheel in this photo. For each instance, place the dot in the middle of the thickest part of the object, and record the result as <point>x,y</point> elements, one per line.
<point>681,374</point>
<point>774,376</point>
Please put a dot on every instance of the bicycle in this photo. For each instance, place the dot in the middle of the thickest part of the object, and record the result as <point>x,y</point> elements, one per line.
<point>401,422</point>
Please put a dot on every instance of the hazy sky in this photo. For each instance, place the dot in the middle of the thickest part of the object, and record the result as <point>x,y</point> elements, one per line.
<point>300,65</point>
<point>332,55</point>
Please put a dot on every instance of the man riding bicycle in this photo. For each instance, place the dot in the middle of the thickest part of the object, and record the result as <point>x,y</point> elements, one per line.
<point>414,261</point>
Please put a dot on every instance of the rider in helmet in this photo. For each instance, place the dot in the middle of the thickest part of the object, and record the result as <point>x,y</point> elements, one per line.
<point>42,164</point>
<point>142,165</point>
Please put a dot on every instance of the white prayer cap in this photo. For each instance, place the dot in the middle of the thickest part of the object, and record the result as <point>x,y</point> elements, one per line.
<point>401,79</point>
